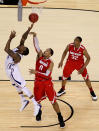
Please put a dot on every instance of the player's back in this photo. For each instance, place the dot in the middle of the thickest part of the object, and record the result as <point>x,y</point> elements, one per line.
<point>42,66</point>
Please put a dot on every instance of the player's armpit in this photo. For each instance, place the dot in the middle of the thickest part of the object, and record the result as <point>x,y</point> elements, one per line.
<point>40,54</point>
<point>15,56</point>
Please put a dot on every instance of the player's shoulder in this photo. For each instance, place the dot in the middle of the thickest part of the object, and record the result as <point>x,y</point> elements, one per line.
<point>51,61</point>
<point>82,46</point>
<point>40,58</point>
<point>15,49</point>
<point>71,44</point>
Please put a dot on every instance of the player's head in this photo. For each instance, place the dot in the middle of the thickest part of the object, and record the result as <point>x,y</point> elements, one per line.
<point>77,40</point>
<point>24,50</point>
<point>48,53</point>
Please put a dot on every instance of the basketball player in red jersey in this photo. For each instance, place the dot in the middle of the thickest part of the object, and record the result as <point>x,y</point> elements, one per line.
<point>43,85</point>
<point>75,61</point>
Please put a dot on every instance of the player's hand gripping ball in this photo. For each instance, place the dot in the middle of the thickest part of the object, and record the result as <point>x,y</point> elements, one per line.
<point>33,17</point>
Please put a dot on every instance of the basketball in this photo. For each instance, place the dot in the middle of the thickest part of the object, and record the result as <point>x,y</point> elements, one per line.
<point>33,17</point>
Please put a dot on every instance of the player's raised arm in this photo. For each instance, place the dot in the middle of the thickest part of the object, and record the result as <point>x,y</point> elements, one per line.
<point>46,75</point>
<point>7,49</point>
<point>25,35</point>
<point>36,44</point>
<point>63,57</point>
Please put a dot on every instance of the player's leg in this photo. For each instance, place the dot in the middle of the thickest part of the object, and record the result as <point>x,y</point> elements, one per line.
<point>39,94</point>
<point>51,94</point>
<point>68,69</point>
<point>20,92</point>
<point>20,82</point>
<point>62,90</point>
<point>89,85</point>
<point>23,100</point>
<point>60,117</point>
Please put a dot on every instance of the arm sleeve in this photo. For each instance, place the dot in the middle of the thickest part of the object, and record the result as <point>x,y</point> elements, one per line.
<point>44,75</point>
<point>36,44</point>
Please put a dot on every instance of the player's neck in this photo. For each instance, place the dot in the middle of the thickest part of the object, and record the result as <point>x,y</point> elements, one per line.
<point>46,57</point>
<point>77,46</point>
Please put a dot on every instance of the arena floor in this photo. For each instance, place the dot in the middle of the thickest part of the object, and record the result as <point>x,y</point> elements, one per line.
<point>56,26</point>
<point>85,117</point>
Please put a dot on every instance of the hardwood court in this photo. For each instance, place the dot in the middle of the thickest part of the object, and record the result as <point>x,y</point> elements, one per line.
<point>86,111</point>
<point>75,4</point>
<point>56,28</point>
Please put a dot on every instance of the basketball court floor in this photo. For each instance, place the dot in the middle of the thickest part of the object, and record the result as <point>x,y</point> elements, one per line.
<point>55,26</point>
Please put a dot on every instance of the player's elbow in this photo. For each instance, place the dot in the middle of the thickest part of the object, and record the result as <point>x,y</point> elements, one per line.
<point>89,58</point>
<point>6,50</point>
<point>64,53</point>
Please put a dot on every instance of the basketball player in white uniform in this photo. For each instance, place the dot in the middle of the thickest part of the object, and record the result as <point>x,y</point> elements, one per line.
<point>12,70</point>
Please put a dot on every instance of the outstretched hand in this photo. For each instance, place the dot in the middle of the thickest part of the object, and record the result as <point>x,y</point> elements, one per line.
<point>13,34</point>
<point>81,71</point>
<point>60,64</point>
<point>33,33</point>
<point>32,71</point>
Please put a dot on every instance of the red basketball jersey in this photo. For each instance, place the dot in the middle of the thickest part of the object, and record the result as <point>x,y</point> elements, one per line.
<point>42,66</point>
<point>76,54</point>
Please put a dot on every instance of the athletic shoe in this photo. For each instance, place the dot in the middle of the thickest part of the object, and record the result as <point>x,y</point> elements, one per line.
<point>38,116</point>
<point>61,92</point>
<point>93,95</point>
<point>36,109</point>
<point>24,105</point>
<point>61,121</point>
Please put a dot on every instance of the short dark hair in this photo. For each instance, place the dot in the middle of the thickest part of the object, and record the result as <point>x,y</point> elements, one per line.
<point>26,52</point>
<point>80,39</point>
<point>51,51</point>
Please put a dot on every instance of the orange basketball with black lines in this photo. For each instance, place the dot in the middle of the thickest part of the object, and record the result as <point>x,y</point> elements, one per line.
<point>33,17</point>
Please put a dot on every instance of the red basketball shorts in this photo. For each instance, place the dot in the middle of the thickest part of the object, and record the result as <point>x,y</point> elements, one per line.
<point>43,89</point>
<point>70,66</point>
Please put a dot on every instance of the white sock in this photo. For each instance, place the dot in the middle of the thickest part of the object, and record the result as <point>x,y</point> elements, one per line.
<point>34,101</point>
<point>29,94</point>
<point>22,97</point>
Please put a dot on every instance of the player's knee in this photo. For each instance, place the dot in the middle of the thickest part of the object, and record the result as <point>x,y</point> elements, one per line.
<point>54,102</point>
<point>87,80</point>
<point>64,78</point>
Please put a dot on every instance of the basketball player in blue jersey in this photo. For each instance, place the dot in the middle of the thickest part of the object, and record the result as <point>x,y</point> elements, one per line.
<point>12,70</point>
